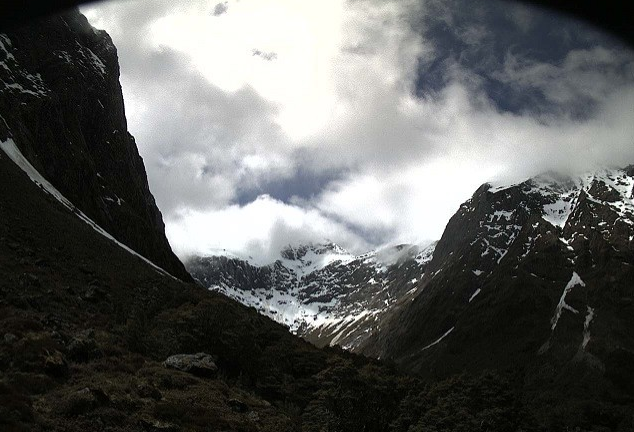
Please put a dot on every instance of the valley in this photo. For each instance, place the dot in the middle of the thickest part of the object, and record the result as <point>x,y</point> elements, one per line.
<point>519,318</point>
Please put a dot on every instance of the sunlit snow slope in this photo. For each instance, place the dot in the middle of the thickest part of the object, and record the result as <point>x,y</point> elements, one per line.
<point>321,292</point>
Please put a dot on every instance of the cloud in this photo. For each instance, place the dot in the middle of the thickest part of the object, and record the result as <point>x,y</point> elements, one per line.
<point>220,9</point>
<point>268,56</point>
<point>582,79</point>
<point>374,122</point>
<point>202,143</point>
<point>259,230</point>
<point>523,59</point>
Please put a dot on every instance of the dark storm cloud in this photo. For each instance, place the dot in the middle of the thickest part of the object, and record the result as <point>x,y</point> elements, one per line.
<point>304,184</point>
<point>520,57</point>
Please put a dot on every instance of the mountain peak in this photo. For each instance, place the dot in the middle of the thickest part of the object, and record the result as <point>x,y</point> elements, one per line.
<point>305,259</point>
<point>557,195</point>
<point>297,252</point>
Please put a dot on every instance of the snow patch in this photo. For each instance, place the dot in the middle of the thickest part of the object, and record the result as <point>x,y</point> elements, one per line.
<point>497,186</point>
<point>574,281</point>
<point>567,243</point>
<point>501,214</point>
<point>313,260</point>
<point>426,254</point>
<point>412,291</point>
<point>586,327</point>
<point>63,55</point>
<point>474,295</point>
<point>5,43</point>
<point>558,212</point>
<point>97,61</point>
<point>439,339</point>
<point>116,200</point>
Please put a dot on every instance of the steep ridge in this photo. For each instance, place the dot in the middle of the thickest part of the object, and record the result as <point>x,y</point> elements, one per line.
<point>320,291</point>
<point>61,103</point>
<point>537,274</point>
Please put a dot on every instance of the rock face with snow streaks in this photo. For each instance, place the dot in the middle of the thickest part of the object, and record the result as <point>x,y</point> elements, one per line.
<point>61,103</point>
<point>534,274</point>
<point>321,292</point>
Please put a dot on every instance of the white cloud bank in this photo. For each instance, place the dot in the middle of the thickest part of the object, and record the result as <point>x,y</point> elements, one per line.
<point>333,90</point>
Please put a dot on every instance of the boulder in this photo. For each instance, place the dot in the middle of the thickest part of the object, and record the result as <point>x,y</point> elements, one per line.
<point>237,405</point>
<point>201,364</point>
<point>55,364</point>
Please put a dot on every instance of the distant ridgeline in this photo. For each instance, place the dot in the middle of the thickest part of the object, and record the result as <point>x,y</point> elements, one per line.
<point>320,291</point>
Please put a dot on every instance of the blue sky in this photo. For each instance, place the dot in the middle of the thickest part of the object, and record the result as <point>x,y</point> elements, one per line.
<point>269,122</point>
<point>491,41</point>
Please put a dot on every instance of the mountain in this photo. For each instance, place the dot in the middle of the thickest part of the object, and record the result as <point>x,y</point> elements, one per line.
<point>61,104</point>
<point>87,328</point>
<point>97,336</point>
<point>534,277</point>
<point>96,333</point>
<point>320,291</point>
<point>518,277</point>
<point>537,274</point>
<point>87,325</point>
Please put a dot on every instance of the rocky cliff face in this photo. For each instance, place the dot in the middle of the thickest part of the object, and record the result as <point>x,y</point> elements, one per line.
<point>537,274</point>
<point>61,103</point>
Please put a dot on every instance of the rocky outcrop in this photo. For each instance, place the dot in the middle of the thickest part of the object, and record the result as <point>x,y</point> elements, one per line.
<point>61,102</point>
<point>198,364</point>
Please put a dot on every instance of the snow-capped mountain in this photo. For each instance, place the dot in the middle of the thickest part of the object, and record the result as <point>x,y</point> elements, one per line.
<point>320,291</point>
<point>534,273</point>
<point>520,263</point>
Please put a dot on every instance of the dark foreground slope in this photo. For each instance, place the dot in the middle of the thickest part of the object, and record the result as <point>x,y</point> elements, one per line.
<point>85,326</point>
<point>61,102</point>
